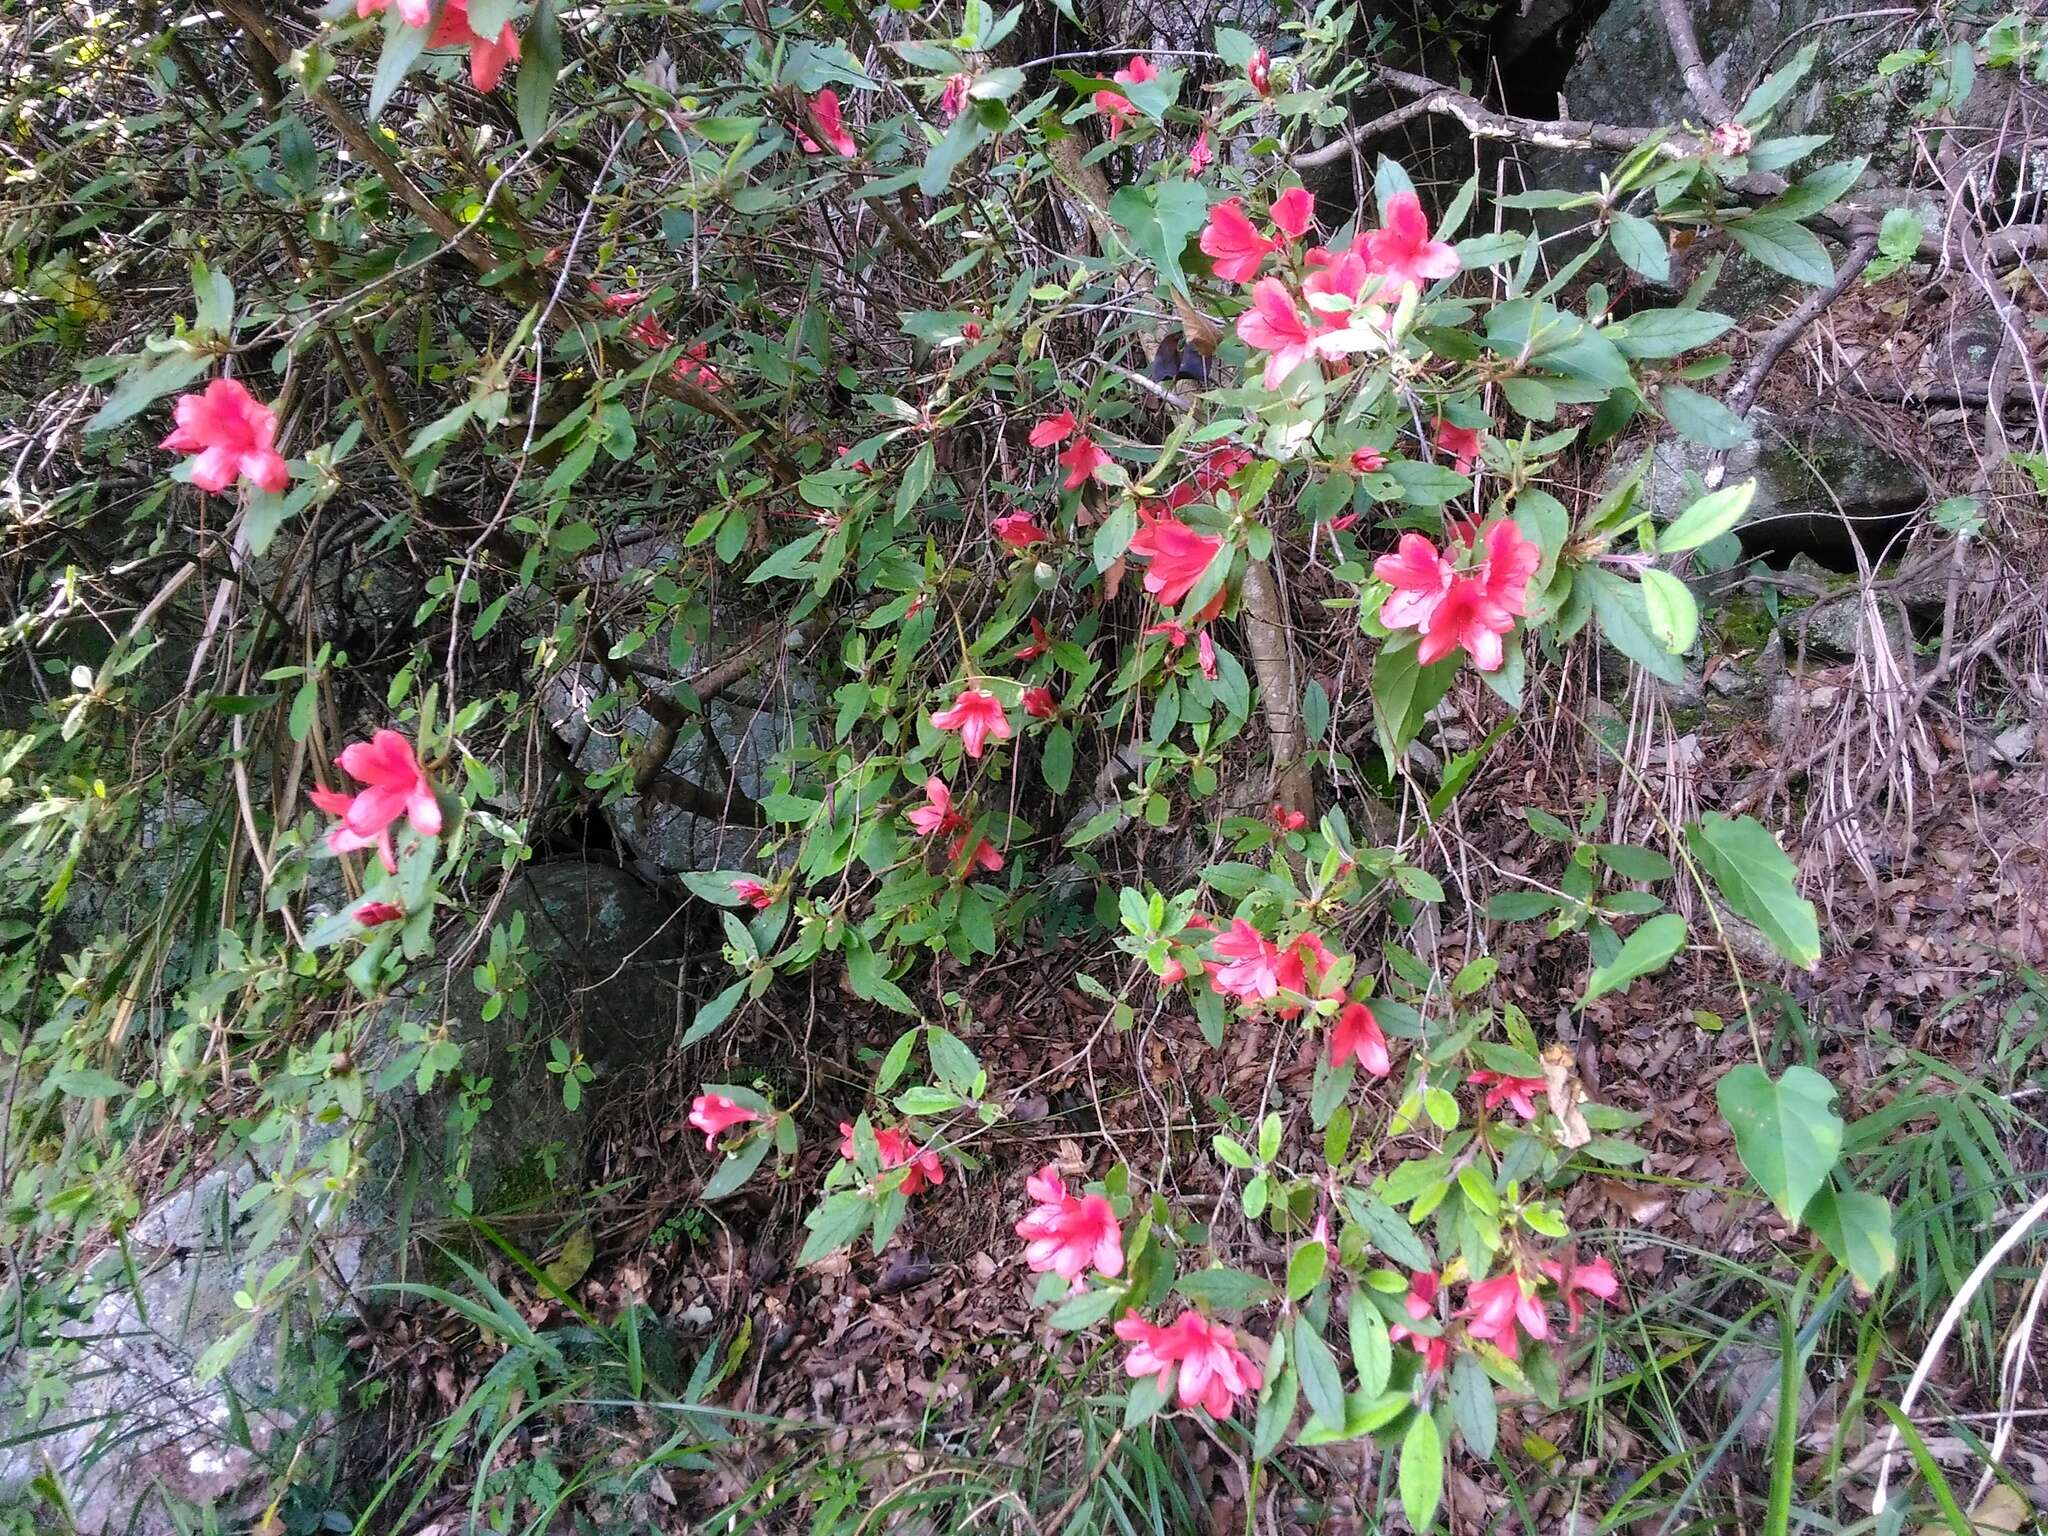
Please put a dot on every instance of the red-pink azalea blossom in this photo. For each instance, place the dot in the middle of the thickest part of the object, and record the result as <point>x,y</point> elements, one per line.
<point>1234,247</point>
<point>1731,139</point>
<point>1116,108</point>
<point>954,97</point>
<point>232,433</point>
<point>694,366</point>
<point>1041,642</point>
<point>1252,963</point>
<point>754,894</point>
<point>1419,576</point>
<point>894,1146</point>
<point>714,1114</point>
<point>1054,429</point>
<point>1461,443</point>
<point>487,56</point>
<point>374,914</point>
<point>1503,1089</point>
<point>1081,462</point>
<point>649,332</point>
<point>1200,155</point>
<point>414,13</point>
<point>1018,530</point>
<point>977,715</point>
<point>1435,1349</point>
<point>1215,468</point>
<point>1367,460</point>
<point>1595,1277</point>
<point>1511,561</point>
<point>1259,70</point>
<point>985,855</point>
<point>1403,250</point>
<point>1285,820</point>
<point>1067,1234</point>
<point>1300,970</point>
<point>1294,211</point>
<point>1175,635</point>
<point>1274,326</point>
<point>1177,557</point>
<point>826,118</point>
<point>1213,1371</point>
<point>1205,656</point>
<point>1493,1307</point>
<point>937,813</point>
<point>395,786</point>
<point>1356,1034</point>
<point>1039,703</point>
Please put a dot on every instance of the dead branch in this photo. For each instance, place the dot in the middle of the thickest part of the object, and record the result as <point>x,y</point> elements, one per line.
<point>1685,48</point>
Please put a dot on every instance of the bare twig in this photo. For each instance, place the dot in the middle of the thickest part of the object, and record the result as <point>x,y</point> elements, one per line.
<point>1685,48</point>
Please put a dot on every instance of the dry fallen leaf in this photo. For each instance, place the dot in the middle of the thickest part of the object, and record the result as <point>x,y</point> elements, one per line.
<point>1561,1087</point>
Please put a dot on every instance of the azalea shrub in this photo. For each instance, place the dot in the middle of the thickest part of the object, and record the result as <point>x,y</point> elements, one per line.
<point>1044,518</point>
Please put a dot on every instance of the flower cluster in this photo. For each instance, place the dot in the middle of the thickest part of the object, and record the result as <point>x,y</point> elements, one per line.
<point>1335,311</point>
<point>1116,108</point>
<point>1500,1310</point>
<point>1213,1371</point>
<point>1455,609</point>
<point>898,1151</point>
<point>488,56</point>
<point>1069,1234</point>
<point>936,817</point>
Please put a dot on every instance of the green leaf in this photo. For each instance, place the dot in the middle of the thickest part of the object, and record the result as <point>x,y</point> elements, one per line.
<point>1473,1408</point>
<point>1701,418</point>
<point>573,1262</point>
<point>1758,882</point>
<point>1276,1412</point>
<point>1404,692</point>
<point>144,384</point>
<point>1642,245</point>
<point>1390,1232</point>
<point>1305,1269</point>
<point>1783,246</point>
<point>1648,950</point>
<point>1714,514</point>
<point>1160,220</point>
<point>1422,1472</point>
<point>1320,1382</point>
<point>967,131</point>
<point>540,62</point>
<point>1788,1137</point>
<point>1372,1352</point>
<point>1658,333</point>
<point>1086,1309</point>
<point>1056,759</point>
<point>1857,1229</point>
<point>1228,1290</point>
<point>402,48</point>
<point>1624,619</point>
<point>87,1083</point>
<point>835,1224</point>
<point>1671,611</point>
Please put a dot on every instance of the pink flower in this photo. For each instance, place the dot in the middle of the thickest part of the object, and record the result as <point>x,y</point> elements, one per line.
<point>414,13</point>
<point>487,56</point>
<point>984,856</point>
<point>825,117</point>
<point>1274,326</point>
<point>1419,576</point>
<point>1175,635</point>
<point>714,1114</point>
<point>373,914</point>
<point>695,366</point>
<point>1081,462</point>
<point>1461,443</point>
<point>1177,557</point>
<point>396,786</point>
<point>231,431</point>
<point>1435,1349</point>
<point>954,97</point>
<point>650,333</point>
<point>1234,247</point>
<point>1731,139</point>
<point>1368,460</point>
<point>1054,429</point>
<point>1259,70</point>
<point>1357,1034</point>
<point>1205,656</point>
<point>937,813</point>
<point>1294,211</point>
<point>1039,703</point>
<point>1254,962</point>
<point>1502,1089</point>
<point>1595,1279</point>
<point>616,303</point>
<point>1200,155</point>
<point>897,1152</point>
<point>1511,560</point>
<point>1214,1372</point>
<point>1041,642</point>
<point>1118,109</point>
<point>1493,1307</point>
<point>1068,1233</point>
<point>1403,250</point>
<point>754,894</point>
<point>977,715</point>
<point>1018,530</point>
<point>1300,970</point>
<point>1285,820</point>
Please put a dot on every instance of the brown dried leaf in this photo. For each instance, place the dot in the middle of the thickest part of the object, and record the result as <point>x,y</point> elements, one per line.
<point>1561,1088</point>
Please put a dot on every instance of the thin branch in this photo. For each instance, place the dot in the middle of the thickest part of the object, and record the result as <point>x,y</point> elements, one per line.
<point>1677,18</point>
<point>1765,358</point>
